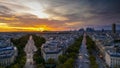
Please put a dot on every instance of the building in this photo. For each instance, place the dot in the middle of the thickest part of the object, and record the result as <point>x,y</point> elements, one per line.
<point>8,52</point>
<point>112,59</point>
<point>113,28</point>
<point>90,29</point>
<point>57,44</point>
<point>51,49</point>
<point>7,55</point>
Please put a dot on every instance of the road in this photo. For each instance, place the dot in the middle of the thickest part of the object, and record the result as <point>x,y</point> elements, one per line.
<point>83,61</point>
<point>100,62</point>
<point>29,49</point>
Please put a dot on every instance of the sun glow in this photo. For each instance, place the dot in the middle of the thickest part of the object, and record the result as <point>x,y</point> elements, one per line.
<point>6,28</point>
<point>41,29</point>
<point>40,14</point>
<point>3,24</point>
<point>37,9</point>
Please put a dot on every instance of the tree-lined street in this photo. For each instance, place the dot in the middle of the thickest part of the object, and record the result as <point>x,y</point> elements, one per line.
<point>82,61</point>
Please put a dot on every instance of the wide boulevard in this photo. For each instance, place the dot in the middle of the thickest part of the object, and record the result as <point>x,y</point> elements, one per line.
<point>82,60</point>
<point>29,49</point>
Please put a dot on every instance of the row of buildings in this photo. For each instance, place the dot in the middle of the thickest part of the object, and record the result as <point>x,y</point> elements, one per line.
<point>108,44</point>
<point>56,44</point>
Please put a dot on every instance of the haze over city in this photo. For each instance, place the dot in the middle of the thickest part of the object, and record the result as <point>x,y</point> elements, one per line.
<point>57,15</point>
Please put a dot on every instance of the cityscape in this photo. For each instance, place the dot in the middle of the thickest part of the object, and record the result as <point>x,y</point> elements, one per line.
<point>59,34</point>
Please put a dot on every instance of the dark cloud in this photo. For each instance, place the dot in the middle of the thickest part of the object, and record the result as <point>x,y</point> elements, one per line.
<point>87,10</point>
<point>14,6</point>
<point>5,10</point>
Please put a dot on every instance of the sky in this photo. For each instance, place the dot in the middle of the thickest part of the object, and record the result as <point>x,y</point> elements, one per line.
<point>57,15</point>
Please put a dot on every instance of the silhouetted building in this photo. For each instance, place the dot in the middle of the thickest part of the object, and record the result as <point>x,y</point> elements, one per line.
<point>102,30</point>
<point>81,29</point>
<point>114,28</point>
<point>90,29</point>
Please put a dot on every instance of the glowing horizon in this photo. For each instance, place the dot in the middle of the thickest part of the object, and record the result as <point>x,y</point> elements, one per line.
<point>6,28</point>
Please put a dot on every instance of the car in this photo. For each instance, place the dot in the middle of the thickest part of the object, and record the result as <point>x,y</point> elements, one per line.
<point>86,61</point>
<point>86,55</point>
<point>80,57</point>
<point>80,54</point>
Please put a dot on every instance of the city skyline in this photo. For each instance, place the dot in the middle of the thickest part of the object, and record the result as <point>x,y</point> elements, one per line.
<point>57,15</point>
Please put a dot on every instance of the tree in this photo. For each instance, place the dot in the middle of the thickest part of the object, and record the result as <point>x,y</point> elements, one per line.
<point>2,67</point>
<point>59,66</point>
<point>62,58</point>
<point>51,61</point>
<point>69,63</point>
<point>15,66</point>
<point>37,56</point>
<point>20,59</point>
<point>91,47</point>
<point>40,66</point>
<point>67,60</point>
<point>72,55</point>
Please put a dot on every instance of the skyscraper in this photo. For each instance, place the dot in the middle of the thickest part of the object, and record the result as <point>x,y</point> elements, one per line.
<point>113,28</point>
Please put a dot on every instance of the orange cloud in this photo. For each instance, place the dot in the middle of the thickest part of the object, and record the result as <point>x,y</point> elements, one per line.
<point>9,18</point>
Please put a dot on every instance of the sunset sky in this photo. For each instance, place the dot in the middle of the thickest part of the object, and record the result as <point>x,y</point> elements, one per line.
<point>57,15</point>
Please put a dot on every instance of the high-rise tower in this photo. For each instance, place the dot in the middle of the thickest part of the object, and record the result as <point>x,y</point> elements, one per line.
<point>114,28</point>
